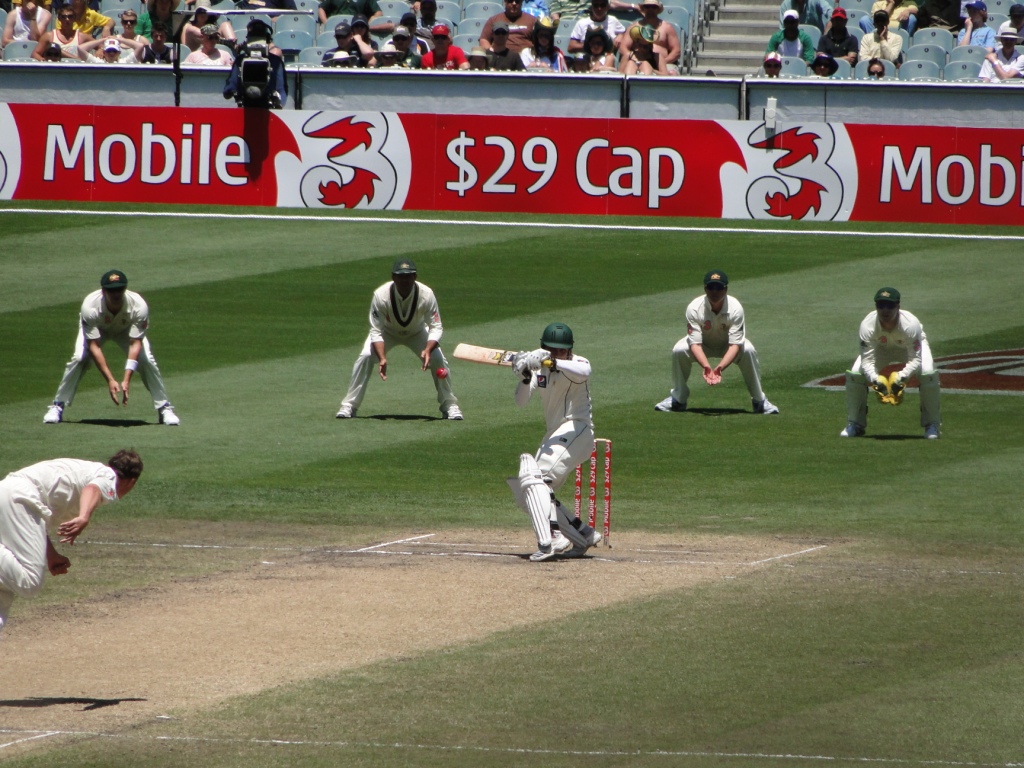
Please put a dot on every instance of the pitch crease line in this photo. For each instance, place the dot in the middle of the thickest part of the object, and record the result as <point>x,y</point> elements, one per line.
<point>789,554</point>
<point>389,543</point>
<point>525,224</point>
<point>46,735</point>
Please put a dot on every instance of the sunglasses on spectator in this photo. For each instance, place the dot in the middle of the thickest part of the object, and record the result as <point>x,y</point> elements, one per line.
<point>128,21</point>
<point>877,73</point>
<point>500,32</point>
<point>773,65</point>
<point>440,37</point>
<point>65,16</point>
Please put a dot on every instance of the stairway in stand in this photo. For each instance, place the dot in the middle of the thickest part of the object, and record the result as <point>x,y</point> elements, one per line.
<point>736,36</point>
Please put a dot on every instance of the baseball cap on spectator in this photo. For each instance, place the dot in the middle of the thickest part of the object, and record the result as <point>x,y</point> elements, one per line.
<point>1016,10</point>
<point>401,31</point>
<point>440,30</point>
<point>716,275</point>
<point>53,50</point>
<point>839,13</point>
<point>111,45</point>
<point>790,14</point>
<point>827,59</point>
<point>209,30</point>
<point>881,15</point>
<point>773,56</point>
<point>115,278</point>
<point>977,6</point>
<point>503,26</point>
<point>343,29</point>
<point>1007,30</point>
<point>360,19</point>
<point>408,20</point>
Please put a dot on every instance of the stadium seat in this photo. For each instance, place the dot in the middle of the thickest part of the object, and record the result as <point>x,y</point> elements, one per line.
<point>312,56</point>
<point>995,19</point>
<point>483,9</point>
<point>325,38</point>
<point>860,72</point>
<point>448,9</point>
<point>228,5</point>
<point>858,5</point>
<point>293,41</point>
<point>920,70</point>
<point>471,27</point>
<point>296,22</point>
<point>845,71</point>
<point>934,36</point>
<point>856,32</point>
<point>562,41</point>
<point>905,35</point>
<point>853,17</point>
<point>466,41</point>
<point>931,53</point>
<point>114,8</point>
<point>241,21</point>
<point>794,66</point>
<point>394,7</point>
<point>19,50</point>
<point>961,70</point>
<point>812,32</point>
<point>968,53</point>
<point>683,21</point>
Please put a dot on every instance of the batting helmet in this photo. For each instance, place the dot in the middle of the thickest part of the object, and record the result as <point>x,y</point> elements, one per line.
<point>556,336</point>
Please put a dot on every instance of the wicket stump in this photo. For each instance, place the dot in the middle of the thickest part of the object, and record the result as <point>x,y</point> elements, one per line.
<point>592,496</point>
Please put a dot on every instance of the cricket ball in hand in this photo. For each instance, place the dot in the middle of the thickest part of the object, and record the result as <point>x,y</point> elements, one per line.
<point>442,373</point>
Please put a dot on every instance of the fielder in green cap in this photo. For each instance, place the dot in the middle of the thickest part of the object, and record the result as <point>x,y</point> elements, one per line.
<point>715,327</point>
<point>113,313</point>
<point>403,312</point>
<point>891,336</point>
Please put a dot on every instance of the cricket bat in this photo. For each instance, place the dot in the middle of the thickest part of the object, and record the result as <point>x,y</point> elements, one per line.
<point>489,356</point>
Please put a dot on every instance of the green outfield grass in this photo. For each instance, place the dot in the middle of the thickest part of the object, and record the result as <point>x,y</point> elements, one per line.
<point>902,646</point>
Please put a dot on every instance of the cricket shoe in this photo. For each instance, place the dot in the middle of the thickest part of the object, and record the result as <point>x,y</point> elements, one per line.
<point>168,416</point>
<point>54,414</point>
<point>454,413</point>
<point>852,430</point>
<point>765,407</point>
<point>345,412</point>
<point>670,404</point>
<point>931,432</point>
<point>559,545</point>
<point>579,551</point>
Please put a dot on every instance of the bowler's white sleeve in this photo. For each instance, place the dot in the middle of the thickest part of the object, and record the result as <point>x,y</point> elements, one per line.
<point>867,346</point>
<point>434,327</point>
<point>695,321</point>
<point>140,317</point>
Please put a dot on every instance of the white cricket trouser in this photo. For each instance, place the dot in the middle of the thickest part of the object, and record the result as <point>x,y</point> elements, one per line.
<point>682,365</point>
<point>81,360</point>
<point>931,394</point>
<point>22,544</point>
<point>565,449</point>
<point>366,365</point>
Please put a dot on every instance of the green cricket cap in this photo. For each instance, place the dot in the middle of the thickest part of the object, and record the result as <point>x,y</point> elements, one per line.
<point>404,267</point>
<point>716,276</point>
<point>887,294</point>
<point>113,280</point>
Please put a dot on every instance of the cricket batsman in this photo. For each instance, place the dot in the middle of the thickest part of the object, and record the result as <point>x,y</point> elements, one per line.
<point>562,381</point>
<point>888,336</point>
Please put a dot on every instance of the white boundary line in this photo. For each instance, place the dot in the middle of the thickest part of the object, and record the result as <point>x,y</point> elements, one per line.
<point>520,224</point>
<point>517,750</point>
<point>38,736</point>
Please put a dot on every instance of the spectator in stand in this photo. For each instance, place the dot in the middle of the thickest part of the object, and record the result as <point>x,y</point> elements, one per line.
<point>569,9</point>
<point>813,12</point>
<point>359,53</point>
<point>520,27</point>
<point>824,65</point>
<point>503,58</point>
<point>157,52</point>
<point>902,15</point>
<point>838,42</point>
<point>111,52</point>
<point>944,14</point>
<point>26,22</point>
<point>367,8</point>
<point>666,39</point>
<point>361,33</point>
<point>598,54</point>
<point>65,35</point>
<point>157,10</point>
<point>445,55</point>
<point>772,66</point>
<point>409,56</point>
<point>642,55</point>
<point>209,55</point>
<point>478,59</point>
<point>538,8</point>
<point>976,31</point>
<point>882,44</point>
<point>417,43</point>
<point>543,55</point>
<point>53,54</point>
<point>426,22</point>
<point>598,17</point>
<point>1006,63</point>
<point>388,57</point>
<point>791,41</point>
<point>876,69</point>
<point>89,21</point>
<point>192,35</point>
<point>1017,18</point>
<point>129,24</point>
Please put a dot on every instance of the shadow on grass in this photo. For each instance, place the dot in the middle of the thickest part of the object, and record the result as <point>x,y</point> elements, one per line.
<point>38,702</point>
<point>716,411</point>
<point>895,437</point>
<point>404,417</point>
<point>114,422</point>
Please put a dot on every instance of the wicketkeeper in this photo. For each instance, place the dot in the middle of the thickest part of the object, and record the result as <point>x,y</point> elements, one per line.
<point>891,336</point>
<point>562,381</point>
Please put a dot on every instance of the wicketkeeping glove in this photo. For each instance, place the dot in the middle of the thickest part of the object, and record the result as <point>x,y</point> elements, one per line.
<point>897,388</point>
<point>881,387</point>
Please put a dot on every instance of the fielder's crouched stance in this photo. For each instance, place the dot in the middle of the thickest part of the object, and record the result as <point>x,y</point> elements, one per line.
<point>404,312</point>
<point>890,336</point>
<point>561,379</point>
<point>59,495</point>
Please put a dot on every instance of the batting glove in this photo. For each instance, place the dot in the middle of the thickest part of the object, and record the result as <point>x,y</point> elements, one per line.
<point>536,359</point>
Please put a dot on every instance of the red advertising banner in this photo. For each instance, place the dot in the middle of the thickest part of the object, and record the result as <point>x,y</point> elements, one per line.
<point>718,169</point>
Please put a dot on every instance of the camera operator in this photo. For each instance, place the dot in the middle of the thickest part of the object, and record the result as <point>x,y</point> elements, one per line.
<point>257,76</point>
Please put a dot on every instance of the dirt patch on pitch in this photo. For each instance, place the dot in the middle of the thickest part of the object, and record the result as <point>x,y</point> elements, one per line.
<point>107,664</point>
